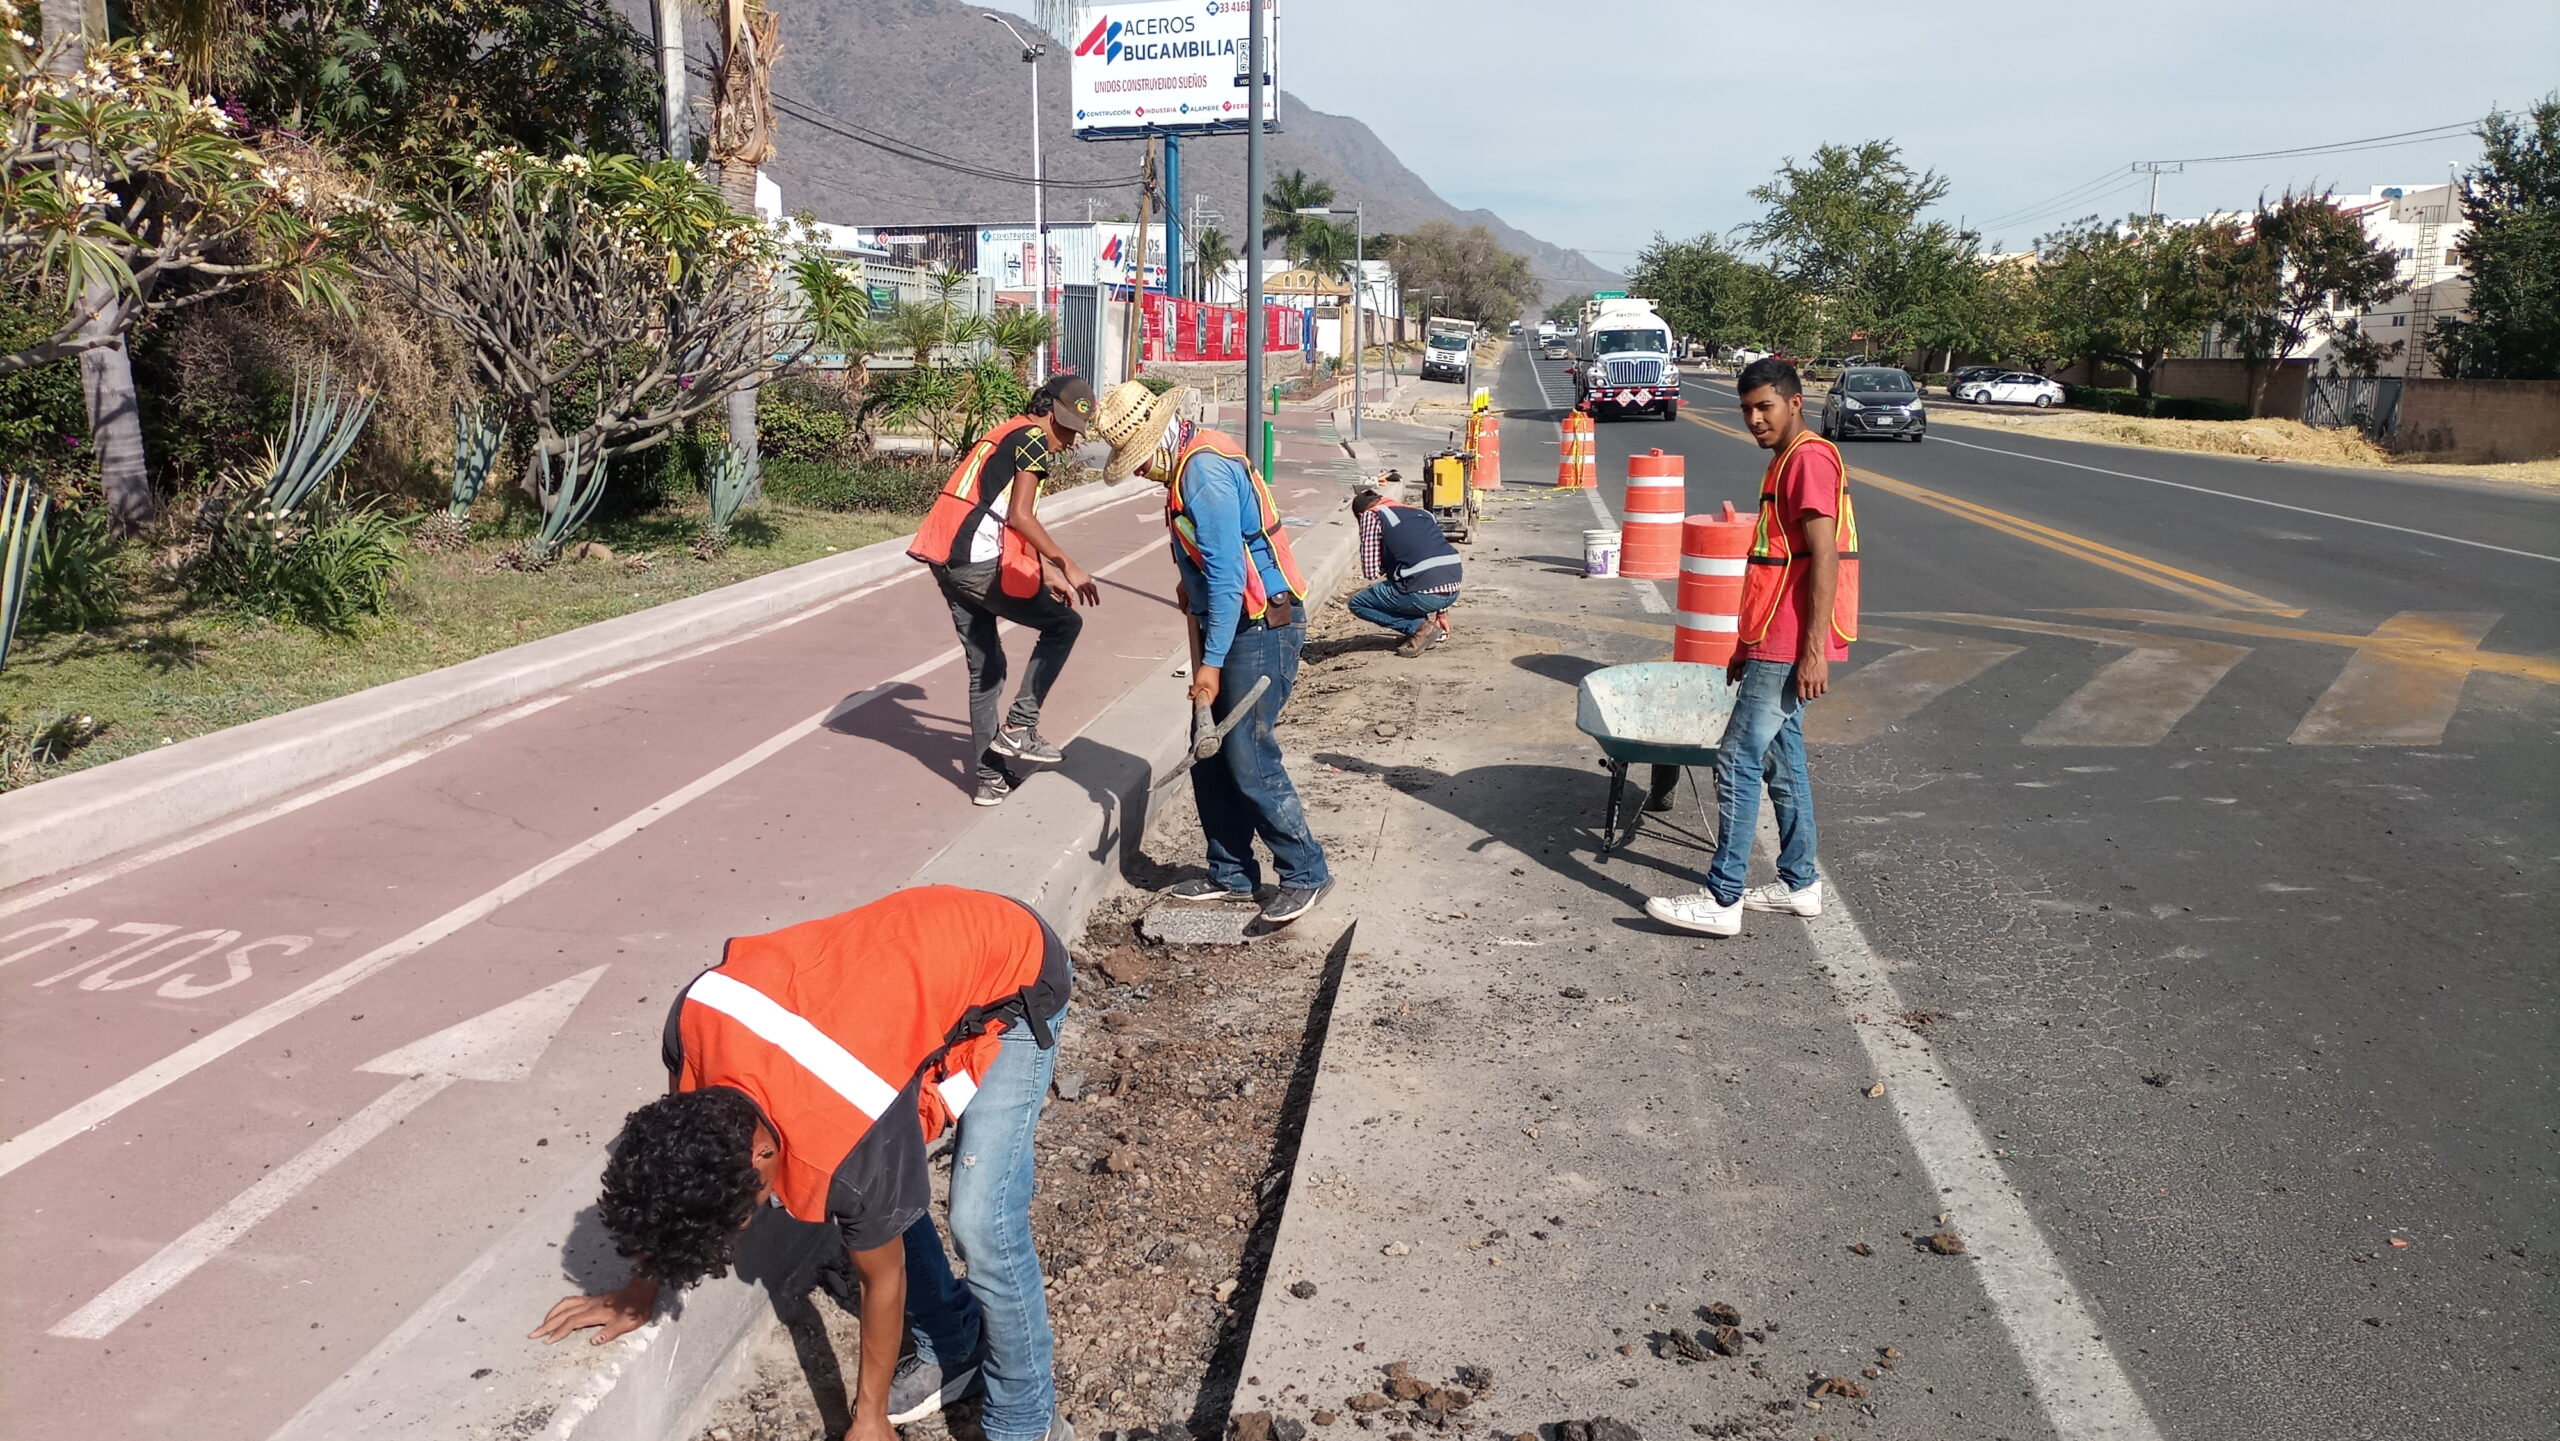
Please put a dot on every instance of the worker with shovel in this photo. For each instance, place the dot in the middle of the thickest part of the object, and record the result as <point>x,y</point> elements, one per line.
<point>811,1069</point>
<point>1246,603</point>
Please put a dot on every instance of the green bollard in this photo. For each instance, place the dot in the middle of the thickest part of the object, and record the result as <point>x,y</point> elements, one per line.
<point>1275,400</point>
<point>1270,438</point>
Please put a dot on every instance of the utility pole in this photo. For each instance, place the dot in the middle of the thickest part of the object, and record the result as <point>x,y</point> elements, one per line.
<point>667,17</point>
<point>2155,169</point>
<point>1254,32</point>
<point>1138,279</point>
<point>1359,296</point>
<point>1173,234</point>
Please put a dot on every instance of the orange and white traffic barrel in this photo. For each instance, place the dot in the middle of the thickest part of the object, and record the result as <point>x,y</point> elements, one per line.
<point>1657,498</point>
<point>1489,453</point>
<point>1588,458</point>
<point>1715,550</point>
<point>1575,463</point>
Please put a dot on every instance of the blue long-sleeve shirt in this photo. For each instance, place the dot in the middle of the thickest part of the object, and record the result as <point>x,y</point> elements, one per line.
<point>1223,506</point>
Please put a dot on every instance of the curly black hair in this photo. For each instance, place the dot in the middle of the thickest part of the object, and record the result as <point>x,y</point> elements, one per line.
<point>682,1184</point>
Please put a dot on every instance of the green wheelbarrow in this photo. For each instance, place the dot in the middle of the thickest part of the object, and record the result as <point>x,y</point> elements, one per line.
<point>1665,713</point>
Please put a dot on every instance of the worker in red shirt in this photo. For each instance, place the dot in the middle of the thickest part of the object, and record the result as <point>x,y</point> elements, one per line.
<point>812,1069</point>
<point>1799,613</point>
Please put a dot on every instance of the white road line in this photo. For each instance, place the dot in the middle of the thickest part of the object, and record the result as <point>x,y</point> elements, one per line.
<point>2085,1393</point>
<point>415,754</point>
<point>1942,438</point>
<point>237,824</point>
<point>36,1141</point>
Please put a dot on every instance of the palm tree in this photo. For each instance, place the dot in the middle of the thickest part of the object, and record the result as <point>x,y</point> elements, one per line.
<point>1326,248</point>
<point>1017,333</point>
<point>742,138</point>
<point>1210,252</point>
<point>1281,221</point>
<point>106,370</point>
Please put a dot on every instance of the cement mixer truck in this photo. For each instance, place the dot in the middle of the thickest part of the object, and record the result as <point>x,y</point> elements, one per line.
<point>1623,361</point>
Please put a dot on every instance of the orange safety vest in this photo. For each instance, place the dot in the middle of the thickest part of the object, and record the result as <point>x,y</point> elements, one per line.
<point>1273,535</point>
<point>1770,579</point>
<point>828,1024</point>
<point>959,508</point>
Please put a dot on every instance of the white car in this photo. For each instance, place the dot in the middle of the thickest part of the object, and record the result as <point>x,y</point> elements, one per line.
<point>2016,387</point>
<point>1744,356</point>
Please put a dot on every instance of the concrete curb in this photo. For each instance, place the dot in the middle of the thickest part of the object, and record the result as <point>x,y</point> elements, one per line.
<point>83,816</point>
<point>1060,844</point>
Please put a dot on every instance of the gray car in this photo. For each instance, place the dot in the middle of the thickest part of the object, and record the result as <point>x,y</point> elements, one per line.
<point>1876,400</point>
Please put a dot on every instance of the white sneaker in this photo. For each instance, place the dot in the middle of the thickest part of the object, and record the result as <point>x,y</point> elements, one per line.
<point>1699,911</point>
<point>1776,897</point>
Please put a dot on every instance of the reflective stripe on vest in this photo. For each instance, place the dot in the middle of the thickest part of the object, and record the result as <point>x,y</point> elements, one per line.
<point>960,508</point>
<point>815,1050</point>
<point>1274,537</point>
<point>1770,578</point>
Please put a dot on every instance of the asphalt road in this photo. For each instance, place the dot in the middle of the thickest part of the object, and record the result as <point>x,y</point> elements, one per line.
<point>2204,811</point>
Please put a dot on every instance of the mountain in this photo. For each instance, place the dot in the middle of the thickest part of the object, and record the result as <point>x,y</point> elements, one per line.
<point>875,78</point>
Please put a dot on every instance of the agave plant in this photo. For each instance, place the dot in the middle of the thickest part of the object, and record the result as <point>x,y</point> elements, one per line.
<point>730,479</point>
<point>327,418</point>
<point>22,511</point>
<point>572,483</point>
<point>479,433</point>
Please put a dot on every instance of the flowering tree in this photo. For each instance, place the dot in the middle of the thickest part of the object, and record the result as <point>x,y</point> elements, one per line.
<point>608,298</point>
<point>122,196</point>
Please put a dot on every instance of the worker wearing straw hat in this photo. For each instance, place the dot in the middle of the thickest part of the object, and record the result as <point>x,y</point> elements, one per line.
<point>1246,602</point>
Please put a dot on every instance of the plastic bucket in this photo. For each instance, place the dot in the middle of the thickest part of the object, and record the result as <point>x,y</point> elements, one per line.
<point>1600,553</point>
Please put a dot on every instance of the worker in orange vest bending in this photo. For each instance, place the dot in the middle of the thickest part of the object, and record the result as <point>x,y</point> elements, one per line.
<point>1799,613</point>
<point>996,562</point>
<point>811,1069</point>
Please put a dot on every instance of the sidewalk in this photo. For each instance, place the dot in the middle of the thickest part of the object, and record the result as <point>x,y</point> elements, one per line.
<point>234,1014</point>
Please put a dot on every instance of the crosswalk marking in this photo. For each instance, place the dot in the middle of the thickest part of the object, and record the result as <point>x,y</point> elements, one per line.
<point>2384,697</point>
<point>2135,700</point>
<point>1884,692</point>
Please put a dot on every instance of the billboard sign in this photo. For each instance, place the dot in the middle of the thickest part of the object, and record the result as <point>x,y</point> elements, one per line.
<point>1168,67</point>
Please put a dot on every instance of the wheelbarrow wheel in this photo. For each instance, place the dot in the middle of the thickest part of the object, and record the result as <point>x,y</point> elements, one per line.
<point>1610,839</point>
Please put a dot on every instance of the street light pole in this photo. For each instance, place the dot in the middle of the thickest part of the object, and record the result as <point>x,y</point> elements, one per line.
<point>1031,53</point>
<point>1255,39</point>
<point>1359,289</point>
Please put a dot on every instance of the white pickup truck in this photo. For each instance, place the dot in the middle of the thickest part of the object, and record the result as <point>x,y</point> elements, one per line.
<point>1449,350</point>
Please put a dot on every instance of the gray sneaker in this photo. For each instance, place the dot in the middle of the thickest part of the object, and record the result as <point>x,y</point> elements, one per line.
<point>1291,902</point>
<point>993,792</point>
<point>1201,888</point>
<point>1027,744</point>
<point>920,1388</point>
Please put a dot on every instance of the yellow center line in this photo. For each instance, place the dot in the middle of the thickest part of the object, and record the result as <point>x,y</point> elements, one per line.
<point>2218,595</point>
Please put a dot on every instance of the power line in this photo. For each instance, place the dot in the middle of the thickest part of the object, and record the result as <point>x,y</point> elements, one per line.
<point>2406,137</point>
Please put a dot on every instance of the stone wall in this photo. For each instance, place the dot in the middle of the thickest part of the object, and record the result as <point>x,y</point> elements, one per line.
<point>2479,420</point>
<point>2224,380</point>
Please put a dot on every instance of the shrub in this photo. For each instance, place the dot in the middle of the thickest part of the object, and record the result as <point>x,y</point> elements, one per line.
<point>880,484</point>
<point>327,570</point>
<point>79,577</point>
<point>796,420</point>
<point>2114,401</point>
<point>47,739</point>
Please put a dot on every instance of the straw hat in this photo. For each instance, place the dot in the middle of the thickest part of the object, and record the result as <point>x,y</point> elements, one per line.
<point>1132,420</point>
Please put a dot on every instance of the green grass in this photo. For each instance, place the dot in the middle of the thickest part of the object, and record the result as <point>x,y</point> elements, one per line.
<point>165,672</point>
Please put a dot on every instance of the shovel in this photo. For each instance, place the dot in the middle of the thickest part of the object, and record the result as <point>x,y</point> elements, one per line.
<point>1208,735</point>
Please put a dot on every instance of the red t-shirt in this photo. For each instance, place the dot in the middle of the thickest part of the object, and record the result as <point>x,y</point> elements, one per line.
<point>1810,485</point>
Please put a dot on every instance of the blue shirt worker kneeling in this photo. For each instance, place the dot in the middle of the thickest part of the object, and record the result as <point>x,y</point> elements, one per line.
<point>1246,601</point>
<point>1415,568</point>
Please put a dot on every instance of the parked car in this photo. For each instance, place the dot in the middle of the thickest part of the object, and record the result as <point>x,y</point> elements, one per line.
<point>2012,387</point>
<point>1874,400</point>
<point>1743,355</point>
<point>1973,373</point>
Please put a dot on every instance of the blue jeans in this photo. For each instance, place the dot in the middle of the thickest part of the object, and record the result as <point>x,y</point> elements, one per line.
<point>1243,791</point>
<point>1383,604</point>
<point>1004,1299</point>
<point>1764,742</point>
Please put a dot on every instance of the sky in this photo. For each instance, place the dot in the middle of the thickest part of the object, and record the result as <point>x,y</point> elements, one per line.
<point>1596,123</point>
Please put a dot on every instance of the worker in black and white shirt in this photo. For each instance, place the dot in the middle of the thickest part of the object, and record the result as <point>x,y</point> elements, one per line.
<point>1415,570</point>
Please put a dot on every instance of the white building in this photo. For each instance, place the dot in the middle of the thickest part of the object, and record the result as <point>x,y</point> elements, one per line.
<point>2422,226</point>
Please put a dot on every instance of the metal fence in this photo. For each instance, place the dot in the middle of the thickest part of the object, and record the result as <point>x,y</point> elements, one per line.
<point>2370,403</point>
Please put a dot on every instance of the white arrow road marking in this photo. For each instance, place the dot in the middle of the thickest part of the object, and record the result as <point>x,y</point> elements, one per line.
<point>42,1138</point>
<point>2134,701</point>
<point>1883,693</point>
<point>499,1045</point>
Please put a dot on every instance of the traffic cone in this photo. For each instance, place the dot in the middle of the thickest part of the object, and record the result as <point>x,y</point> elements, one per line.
<point>1657,494</point>
<point>1714,552</point>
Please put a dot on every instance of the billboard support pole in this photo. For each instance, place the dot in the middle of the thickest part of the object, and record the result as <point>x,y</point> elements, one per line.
<point>1173,236</point>
<point>1137,330</point>
<point>1253,217</point>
